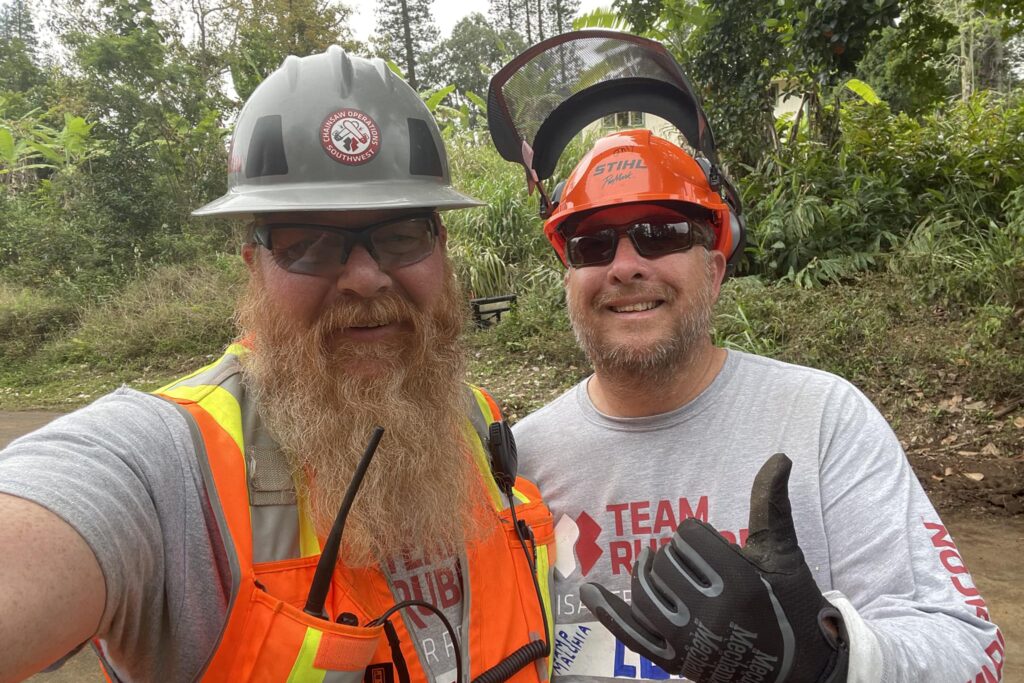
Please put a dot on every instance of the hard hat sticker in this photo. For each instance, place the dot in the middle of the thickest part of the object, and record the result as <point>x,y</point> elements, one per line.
<point>350,137</point>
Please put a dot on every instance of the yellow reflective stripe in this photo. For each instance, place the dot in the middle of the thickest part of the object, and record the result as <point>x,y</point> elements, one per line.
<point>482,462</point>
<point>519,495</point>
<point>164,389</point>
<point>543,572</point>
<point>219,403</point>
<point>303,671</point>
<point>233,349</point>
<point>485,407</point>
<point>237,349</point>
<point>309,544</point>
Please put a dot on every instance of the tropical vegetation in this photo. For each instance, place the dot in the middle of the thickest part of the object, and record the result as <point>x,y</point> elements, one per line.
<point>890,195</point>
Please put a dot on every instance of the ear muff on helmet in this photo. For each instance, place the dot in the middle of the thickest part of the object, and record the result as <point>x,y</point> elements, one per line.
<point>737,226</point>
<point>556,195</point>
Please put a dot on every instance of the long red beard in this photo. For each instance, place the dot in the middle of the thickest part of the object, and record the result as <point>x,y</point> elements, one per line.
<point>422,494</point>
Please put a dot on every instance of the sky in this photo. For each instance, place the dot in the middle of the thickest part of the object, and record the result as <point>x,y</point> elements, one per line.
<point>446,13</point>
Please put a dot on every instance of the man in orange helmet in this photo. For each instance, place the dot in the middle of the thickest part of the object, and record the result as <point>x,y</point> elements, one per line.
<point>849,577</point>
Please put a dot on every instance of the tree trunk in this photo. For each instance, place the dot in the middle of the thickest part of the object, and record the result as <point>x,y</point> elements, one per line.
<point>997,62</point>
<point>529,31</point>
<point>540,20</point>
<point>410,59</point>
<point>966,53</point>
<point>796,121</point>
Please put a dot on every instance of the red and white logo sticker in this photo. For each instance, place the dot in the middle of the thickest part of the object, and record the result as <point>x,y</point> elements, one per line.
<point>350,137</point>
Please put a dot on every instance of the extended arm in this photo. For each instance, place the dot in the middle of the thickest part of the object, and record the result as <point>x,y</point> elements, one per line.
<point>52,592</point>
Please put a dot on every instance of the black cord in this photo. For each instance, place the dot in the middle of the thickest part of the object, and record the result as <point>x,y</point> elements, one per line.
<point>530,558</point>
<point>379,621</point>
<point>534,650</point>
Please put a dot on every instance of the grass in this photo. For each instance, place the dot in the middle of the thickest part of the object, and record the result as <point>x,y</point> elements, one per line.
<point>899,347</point>
<point>903,351</point>
<point>175,319</point>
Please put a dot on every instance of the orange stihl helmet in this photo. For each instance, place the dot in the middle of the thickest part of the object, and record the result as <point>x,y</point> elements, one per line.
<point>543,97</point>
<point>636,166</point>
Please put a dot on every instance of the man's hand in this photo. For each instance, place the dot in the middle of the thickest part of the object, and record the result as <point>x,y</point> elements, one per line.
<point>704,608</point>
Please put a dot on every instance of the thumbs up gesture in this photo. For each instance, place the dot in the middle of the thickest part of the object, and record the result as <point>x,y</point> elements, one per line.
<point>705,608</point>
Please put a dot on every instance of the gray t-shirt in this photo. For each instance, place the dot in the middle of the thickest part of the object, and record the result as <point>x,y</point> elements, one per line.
<point>122,471</point>
<point>616,485</point>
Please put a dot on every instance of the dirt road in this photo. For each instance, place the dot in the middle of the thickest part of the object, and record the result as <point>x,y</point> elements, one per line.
<point>991,546</point>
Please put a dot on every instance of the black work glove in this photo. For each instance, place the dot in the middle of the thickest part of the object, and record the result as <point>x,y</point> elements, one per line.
<point>705,608</point>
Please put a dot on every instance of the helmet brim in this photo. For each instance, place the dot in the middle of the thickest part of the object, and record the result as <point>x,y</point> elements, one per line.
<point>318,197</point>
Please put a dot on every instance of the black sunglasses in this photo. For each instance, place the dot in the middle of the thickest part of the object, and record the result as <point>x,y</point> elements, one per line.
<point>322,250</point>
<point>651,239</point>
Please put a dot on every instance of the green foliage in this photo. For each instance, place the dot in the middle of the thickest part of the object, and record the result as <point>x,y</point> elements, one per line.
<point>962,263</point>
<point>907,65</point>
<point>878,332</point>
<point>405,31</point>
<point>101,179</point>
<point>28,319</point>
<point>825,39</point>
<point>735,83</point>
<point>19,51</point>
<point>604,18</point>
<point>170,313</point>
<point>28,142</point>
<point>270,30</point>
<point>863,90</point>
<point>818,215</point>
<point>820,219</point>
<point>735,329</point>
<point>498,246</point>
<point>533,20</point>
<point>467,59</point>
<point>641,16</point>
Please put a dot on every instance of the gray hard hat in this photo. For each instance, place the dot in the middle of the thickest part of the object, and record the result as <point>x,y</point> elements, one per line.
<point>335,132</point>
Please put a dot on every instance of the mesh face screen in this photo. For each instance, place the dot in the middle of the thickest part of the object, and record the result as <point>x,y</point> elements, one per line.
<point>556,74</point>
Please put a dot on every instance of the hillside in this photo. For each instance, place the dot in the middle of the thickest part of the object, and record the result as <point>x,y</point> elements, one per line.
<point>949,379</point>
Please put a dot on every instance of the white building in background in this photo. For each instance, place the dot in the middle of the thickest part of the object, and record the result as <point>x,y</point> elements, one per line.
<point>628,120</point>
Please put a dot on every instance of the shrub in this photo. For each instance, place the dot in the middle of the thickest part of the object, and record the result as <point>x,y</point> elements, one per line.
<point>170,314</point>
<point>28,319</point>
<point>820,215</point>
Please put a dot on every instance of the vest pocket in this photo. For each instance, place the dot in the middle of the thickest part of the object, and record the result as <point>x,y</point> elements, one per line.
<point>281,642</point>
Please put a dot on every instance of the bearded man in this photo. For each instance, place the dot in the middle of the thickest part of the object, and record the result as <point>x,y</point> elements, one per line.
<point>195,533</point>
<point>659,467</point>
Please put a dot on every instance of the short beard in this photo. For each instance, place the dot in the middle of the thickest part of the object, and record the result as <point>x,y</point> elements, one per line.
<point>422,495</point>
<point>655,362</point>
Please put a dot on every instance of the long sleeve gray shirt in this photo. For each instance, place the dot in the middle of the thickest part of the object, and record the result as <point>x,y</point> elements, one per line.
<point>873,541</point>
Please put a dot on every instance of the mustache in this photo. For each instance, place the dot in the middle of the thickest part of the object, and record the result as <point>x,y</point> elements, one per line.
<point>386,308</point>
<point>647,290</point>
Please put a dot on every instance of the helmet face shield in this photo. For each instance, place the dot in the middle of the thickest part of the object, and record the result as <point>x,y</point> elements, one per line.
<point>554,89</point>
<point>542,98</point>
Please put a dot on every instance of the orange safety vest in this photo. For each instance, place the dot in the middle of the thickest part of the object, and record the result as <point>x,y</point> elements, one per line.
<point>273,550</point>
